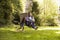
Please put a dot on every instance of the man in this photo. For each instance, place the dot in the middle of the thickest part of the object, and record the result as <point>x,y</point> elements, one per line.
<point>29,21</point>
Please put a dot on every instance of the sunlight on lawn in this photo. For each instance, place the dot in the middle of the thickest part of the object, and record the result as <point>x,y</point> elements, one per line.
<point>10,29</point>
<point>58,32</point>
<point>27,36</point>
<point>49,28</point>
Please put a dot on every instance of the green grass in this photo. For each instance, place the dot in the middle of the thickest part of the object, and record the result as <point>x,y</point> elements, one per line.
<point>29,35</point>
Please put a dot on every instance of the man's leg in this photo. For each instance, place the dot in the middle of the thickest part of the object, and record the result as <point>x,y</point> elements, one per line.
<point>21,26</point>
<point>27,23</point>
<point>33,26</point>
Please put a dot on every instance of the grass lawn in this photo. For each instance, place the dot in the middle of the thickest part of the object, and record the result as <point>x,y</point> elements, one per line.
<point>29,35</point>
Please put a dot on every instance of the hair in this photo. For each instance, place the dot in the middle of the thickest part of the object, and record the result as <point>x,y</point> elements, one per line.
<point>29,14</point>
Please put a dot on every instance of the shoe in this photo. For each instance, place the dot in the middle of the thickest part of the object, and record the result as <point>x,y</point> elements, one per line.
<point>36,28</point>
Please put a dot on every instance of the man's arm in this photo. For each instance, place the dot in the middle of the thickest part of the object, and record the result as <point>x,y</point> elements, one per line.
<point>33,19</point>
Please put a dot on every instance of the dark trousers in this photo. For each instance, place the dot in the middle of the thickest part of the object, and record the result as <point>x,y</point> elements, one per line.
<point>31,24</point>
<point>28,24</point>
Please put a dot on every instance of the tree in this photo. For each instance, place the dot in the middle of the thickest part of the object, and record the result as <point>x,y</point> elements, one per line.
<point>45,13</point>
<point>5,11</point>
<point>51,14</point>
<point>8,8</point>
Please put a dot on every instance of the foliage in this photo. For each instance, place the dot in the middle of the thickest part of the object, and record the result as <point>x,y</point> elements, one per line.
<point>51,15</point>
<point>17,9</point>
<point>35,7</point>
<point>35,12</point>
<point>9,8</point>
<point>5,11</point>
<point>45,13</point>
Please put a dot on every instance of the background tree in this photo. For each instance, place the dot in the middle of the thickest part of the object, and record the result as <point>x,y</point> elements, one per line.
<point>17,9</point>
<point>45,12</point>
<point>5,11</point>
<point>8,8</point>
<point>51,14</point>
<point>37,10</point>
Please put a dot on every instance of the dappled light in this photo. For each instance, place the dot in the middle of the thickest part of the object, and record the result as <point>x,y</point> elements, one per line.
<point>58,32</point>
